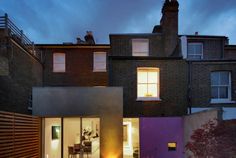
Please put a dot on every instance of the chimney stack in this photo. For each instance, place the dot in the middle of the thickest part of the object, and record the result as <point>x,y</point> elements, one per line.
<point>89,38</point>
<point>169,25</point>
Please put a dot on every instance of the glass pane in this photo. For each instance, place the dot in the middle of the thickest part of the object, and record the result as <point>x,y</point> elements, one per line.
<point>91,137</point>
<point>198,49</point>
<point>190,49</point>
<point>140,46</point>
<point>99,57</point>
<point>224,78</point>
<point>142,90</point>
<point>72,134</point>
<point>59,68</point>
<point>215,78</point>
<point>52,137</point>
<point>99,66</point>
<point>58,58</point>
<point>142,76</point>
<point>152,90</point>
<point>152,77</point>
<point>223,92</point>
<point>131,142</point>
<point>214,92</point>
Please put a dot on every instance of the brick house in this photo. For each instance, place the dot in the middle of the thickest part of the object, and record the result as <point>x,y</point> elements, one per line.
<point>126,99</point>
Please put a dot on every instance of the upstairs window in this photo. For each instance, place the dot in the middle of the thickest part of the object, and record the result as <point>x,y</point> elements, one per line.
<point>220,87</point>
<point>99,61</point>
<point>195,51</point>
<point>140,47</point>
<point>59,62</point>
<point>148,87</point>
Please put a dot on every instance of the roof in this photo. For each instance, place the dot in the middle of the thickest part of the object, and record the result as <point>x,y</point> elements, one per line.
<point>204,36</point>
<point>73,46</point>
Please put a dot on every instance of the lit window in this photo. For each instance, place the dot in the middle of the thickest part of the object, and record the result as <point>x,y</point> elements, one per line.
<point>59,62</point>
<point>172,146</point>
<point>148,83</point>
<point>140,47</point>
<point>195,50</point>
<point>220,86</point>
<point>99,61</point>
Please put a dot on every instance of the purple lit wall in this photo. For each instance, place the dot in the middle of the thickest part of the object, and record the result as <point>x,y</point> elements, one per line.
<point>155,133</point>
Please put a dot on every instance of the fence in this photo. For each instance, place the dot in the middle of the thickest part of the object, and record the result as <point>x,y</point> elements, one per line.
<point>17,35</point>
<point>20,135</point>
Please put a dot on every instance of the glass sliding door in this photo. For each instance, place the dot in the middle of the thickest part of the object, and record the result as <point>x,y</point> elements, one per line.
<point>91,137</point>
<point>71,136</point>
<point>52,137</point>
<point>131,138</point>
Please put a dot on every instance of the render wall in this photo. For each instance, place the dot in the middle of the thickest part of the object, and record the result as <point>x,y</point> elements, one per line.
<point>195,121</point>
<point>105,103</point>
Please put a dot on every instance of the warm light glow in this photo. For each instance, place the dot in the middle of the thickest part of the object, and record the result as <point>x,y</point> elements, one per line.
<point>171,145</point>
<point>148,82</point>
<point>111,155</point>
<point>55,144</point>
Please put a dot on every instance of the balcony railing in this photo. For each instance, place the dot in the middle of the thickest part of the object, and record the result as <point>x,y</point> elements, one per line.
<point>18,36</point>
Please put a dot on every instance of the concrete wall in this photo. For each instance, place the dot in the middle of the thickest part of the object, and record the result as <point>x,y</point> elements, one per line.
<point>105,103</point>
<point>195,121</point>
<point>156,133</point>
<point>19,72</point>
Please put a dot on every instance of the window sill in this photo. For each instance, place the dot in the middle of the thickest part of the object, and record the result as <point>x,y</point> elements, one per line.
<point>148,99</point>
<point>222,101</point>
<point>99,70</point>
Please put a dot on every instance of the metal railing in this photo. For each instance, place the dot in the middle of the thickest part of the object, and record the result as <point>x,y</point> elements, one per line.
<point>18,36</point>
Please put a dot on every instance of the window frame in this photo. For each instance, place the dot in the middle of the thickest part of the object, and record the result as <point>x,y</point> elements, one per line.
<point>94,64</point>
<point>156,98</point>
<point>54,64</point>
<point>229,90</point>
<point>195,43</point>
<point>146,40</point>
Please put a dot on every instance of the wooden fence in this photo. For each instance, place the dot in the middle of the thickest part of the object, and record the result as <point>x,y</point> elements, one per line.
<point>20,135</point>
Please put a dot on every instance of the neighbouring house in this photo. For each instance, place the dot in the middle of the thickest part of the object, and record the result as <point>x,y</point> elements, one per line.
<point>142,95</point>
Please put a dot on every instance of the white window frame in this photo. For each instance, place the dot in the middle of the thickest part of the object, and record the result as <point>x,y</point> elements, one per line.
<point>157,98</point>
<point>195,43</point>
<point>223,100</point>
<point>95,62</point>
<point>59,63</point>
<point>140,40</point>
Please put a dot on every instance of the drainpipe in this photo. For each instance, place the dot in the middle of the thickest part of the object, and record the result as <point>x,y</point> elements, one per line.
<point>189,86</point>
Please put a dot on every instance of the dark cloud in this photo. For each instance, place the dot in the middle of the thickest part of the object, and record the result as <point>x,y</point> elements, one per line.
<point>54,21</point>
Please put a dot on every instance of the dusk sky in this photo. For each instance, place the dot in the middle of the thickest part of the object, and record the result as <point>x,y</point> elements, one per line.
<point>57,21</point>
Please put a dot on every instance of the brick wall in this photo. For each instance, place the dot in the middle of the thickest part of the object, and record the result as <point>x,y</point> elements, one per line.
<point>24,72</point>
<point>201,82</point>
<point>79,68</point>
<point>212,48</point>
<point>121,45</point>
<point>173,87</point>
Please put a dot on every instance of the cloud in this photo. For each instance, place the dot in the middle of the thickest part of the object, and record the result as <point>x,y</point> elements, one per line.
<point>53,21</point>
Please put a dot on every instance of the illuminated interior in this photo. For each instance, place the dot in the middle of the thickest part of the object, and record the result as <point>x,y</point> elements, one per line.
<point>52,142</point>
<point>81,137</point>
<point>131,138</point>
<point>148,82</point>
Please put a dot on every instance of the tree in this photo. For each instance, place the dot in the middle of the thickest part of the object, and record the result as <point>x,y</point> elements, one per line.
<point>215,139</point>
